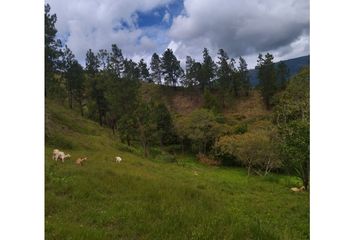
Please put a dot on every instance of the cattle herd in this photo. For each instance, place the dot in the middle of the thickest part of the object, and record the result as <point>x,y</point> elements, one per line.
<point>60,155</point>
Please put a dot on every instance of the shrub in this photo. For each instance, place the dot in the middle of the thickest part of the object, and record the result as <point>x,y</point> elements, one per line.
<point>202,158</point>
<point>200,127</point>
<point>255,151</point>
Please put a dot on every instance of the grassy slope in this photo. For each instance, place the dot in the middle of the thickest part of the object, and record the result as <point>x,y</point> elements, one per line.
<point>148,199</point>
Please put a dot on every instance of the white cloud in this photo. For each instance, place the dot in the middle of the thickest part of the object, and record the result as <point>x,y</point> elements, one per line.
<point>98,24</point>
<point>243,27</point>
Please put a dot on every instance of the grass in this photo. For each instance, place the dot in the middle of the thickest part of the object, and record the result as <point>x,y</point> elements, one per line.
<point>156,199</point>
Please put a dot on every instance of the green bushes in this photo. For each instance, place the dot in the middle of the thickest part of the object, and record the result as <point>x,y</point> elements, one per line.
<point>292,117</point>
<point>254,150</point>
<point>200,127</point>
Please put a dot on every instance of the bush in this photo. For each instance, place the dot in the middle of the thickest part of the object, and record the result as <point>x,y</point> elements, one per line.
<point>255,151</point>
<point>202,158</point>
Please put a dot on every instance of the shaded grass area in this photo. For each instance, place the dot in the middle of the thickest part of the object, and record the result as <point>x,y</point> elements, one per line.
<point>154,199</point>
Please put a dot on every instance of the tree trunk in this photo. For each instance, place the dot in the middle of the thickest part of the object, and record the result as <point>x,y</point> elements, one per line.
<point>128,140</point>
<point>70,98</point>
<point>145,149</point>
<point>81,109</point>
<point>249,169</point>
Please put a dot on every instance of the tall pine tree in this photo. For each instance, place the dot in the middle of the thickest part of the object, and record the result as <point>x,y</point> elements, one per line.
<point>244,77</point>
<point>208,70</point>
<point>171,68</point>
<point>267,77</point>
<point>155,67</point>
<point>52,51</point>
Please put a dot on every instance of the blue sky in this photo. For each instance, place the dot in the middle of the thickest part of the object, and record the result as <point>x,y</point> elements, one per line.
<point>142,27</point>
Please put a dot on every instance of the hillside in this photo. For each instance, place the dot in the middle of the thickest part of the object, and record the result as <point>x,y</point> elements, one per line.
<point>294,65</point>
<point>158,199</point>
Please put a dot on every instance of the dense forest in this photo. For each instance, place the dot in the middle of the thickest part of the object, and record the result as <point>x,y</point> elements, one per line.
<point>109,90</point>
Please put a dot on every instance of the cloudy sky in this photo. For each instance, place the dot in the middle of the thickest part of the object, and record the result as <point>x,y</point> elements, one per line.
<point>142,27</point>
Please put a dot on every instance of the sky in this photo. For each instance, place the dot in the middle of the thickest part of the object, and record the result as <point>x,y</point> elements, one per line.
<point>141,27</point>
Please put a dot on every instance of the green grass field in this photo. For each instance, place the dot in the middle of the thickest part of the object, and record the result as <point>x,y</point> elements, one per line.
<point>155,199</point>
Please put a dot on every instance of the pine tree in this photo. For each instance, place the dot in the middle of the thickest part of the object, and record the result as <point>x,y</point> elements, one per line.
<point>76,78</point>
<point>223,74</point>
<point>116,61</point>
<point>189,80</point>
<point>282,74</point>
<point>244,76</point>
<point>131,70</point>
<point>171,68</point>
<point>96,80</point>
<point>155,67</point>
<point>267,77</point>
<point>143,71</point>
<point>51,51</point>
<point>66,67</point>
<point>103,58</point>
<point>208,70</point>
<point>92,63</point>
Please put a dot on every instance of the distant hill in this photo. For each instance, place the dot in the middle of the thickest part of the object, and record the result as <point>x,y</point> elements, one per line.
<point>294,66</point>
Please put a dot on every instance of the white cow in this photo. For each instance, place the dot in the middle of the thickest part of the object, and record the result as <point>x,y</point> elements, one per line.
<point>118,159</point>
<point>55,154</point>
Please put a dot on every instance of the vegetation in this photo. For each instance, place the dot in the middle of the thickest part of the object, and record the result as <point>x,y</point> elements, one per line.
<point>104,200</point>
<point>292,116</point>
<point>202,150</point>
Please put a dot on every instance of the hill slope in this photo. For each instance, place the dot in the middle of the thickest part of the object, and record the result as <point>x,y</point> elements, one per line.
<point>152,199</point>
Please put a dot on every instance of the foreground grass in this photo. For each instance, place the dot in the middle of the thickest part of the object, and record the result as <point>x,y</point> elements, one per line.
<point>150,199</point>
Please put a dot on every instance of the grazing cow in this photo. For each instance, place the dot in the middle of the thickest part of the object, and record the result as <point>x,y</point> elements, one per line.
<point>55,154</point>
<point>118,159</point>
<point>80,161</point>
<point>61,156</point>
<point>295,189</point>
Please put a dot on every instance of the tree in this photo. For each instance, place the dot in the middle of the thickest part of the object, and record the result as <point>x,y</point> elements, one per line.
<point>243,74</point>
<point>211,102</point>
<point>146,125</point>
<point>116,61</point>
<point>292,118</point>
<point>267,77</point>
<point>76,78</point>
<point>256,151</point>
<point>223,74</point>
<point>171,68</point>
<point>164,124</point>
<point>66,67</point>
<point>52,51</point>
<point>103,59</point>
<point>282,74</point>
<point>92,63</point>
<point>143,71</point>
<point>155,67</point>
<point>127,127</point>
<point>96,81</point>
<point>200,127</point>
<point>131,70</point>
<point>193,72</point>
<point>208,70</point>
